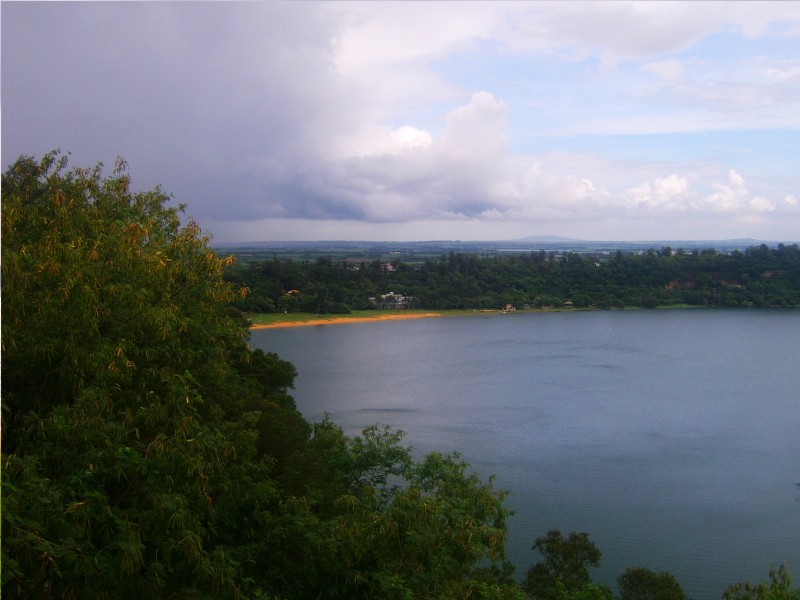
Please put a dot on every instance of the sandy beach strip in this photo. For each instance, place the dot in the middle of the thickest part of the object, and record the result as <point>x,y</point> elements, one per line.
<point>339,320</point>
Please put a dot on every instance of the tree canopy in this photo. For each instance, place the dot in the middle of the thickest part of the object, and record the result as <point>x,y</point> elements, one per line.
<point>640,583</point>
<point>564,566</point>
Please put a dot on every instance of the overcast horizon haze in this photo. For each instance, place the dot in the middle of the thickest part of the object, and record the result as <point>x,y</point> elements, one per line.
<point>413,121</point>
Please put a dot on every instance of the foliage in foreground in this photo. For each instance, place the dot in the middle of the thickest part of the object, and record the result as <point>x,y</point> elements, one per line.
<point>150,453</point>
<point>779,587</point>
<point>563,574</point>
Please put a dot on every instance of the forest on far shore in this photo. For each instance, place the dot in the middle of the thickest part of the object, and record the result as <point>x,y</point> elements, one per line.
<point>759,276</point>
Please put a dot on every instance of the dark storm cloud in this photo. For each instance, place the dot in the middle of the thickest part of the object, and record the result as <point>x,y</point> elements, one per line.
<point>235,108</point>
<point>193,95</point>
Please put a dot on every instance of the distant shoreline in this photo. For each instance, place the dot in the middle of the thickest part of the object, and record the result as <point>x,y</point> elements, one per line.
<point>304,320</point>
<point>333,320</point>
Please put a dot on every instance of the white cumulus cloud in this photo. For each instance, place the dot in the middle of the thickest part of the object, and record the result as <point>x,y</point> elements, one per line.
<point>728,195</point>
<point>664,193</point>
<point>476,131</point>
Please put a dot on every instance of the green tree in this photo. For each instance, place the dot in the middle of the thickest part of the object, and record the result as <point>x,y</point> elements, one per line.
<point>116,339</point>
<point>405,528</point>
<point>590,591</point>
<point>565,564</point>
<point>639,583</point>
<point>779,587</point>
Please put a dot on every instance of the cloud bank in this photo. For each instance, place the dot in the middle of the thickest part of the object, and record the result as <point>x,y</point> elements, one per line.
<point>622,120</point>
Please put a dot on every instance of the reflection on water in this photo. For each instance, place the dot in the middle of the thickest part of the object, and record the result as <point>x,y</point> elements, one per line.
<point>669,436</point>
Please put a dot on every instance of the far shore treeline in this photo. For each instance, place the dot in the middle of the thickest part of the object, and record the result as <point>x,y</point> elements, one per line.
<point>148,452</point>
<point>760,276</point>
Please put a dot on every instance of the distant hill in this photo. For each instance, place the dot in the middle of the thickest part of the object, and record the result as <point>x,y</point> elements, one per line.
<point>546,238</point>
<point>532,239</point>
<point>389,250</point>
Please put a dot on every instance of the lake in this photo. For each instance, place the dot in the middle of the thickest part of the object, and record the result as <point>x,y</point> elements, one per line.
<point>669,436</point>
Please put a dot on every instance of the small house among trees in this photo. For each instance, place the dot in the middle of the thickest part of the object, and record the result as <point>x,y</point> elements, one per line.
<point>392,300</point>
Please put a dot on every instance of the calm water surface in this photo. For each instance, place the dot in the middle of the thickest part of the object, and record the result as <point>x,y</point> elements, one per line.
<point>671,437</point>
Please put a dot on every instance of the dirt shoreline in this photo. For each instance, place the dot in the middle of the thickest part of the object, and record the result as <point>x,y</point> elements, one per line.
<point>340,320</point>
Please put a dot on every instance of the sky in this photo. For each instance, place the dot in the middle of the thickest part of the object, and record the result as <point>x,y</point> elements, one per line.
<point>405,121</point>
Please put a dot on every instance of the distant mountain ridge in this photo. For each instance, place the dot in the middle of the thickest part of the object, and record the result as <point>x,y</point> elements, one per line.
<point>547,238</point>
<point>727,242</point>
<point>534,242</point>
